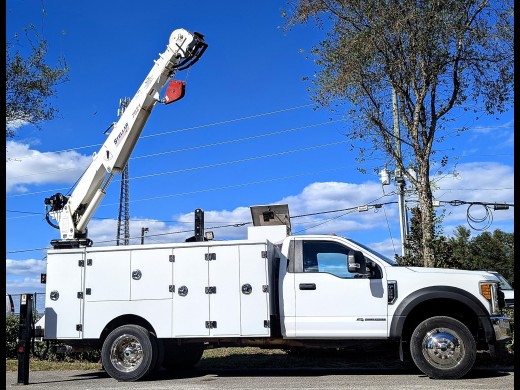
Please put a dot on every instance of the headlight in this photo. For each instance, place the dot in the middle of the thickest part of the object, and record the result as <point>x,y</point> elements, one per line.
<point>489,290</point>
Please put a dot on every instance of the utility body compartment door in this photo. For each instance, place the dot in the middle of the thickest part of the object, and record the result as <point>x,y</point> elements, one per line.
<point>254,291</point>
<point>151,274</point>
<point>223,290</point>
<point>190,301</point>
<point>63,307</point>
<point>220,291</point>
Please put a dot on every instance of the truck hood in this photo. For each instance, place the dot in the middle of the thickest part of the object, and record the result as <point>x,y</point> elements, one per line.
<point>452,271</point>
<point>441,274</point>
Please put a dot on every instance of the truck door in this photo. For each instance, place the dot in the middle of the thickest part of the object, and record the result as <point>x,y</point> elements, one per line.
<point>330,301</point>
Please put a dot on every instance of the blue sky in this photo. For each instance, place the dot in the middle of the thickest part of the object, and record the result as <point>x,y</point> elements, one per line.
<point>246,133</point>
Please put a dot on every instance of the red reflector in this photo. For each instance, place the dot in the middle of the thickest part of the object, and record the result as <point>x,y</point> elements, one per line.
<point>21,349</point>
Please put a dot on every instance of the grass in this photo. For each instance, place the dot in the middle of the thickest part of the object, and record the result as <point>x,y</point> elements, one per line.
<point>253,357</point>
<point>243,358</point>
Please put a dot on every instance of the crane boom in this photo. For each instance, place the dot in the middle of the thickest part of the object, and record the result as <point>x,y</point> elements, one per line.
<point>74,212</point>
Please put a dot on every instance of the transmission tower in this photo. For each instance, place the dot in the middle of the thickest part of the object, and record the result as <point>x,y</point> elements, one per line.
<point>123,220</point>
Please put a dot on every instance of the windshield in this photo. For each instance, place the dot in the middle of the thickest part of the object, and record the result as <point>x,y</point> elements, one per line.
<point>382,257</point>
<point>504,284</point>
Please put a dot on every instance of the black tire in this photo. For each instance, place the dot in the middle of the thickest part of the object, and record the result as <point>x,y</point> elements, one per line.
<point>443,348</point>
<point>182,357</point>
<point>129,353</point>
<point>160,355</point>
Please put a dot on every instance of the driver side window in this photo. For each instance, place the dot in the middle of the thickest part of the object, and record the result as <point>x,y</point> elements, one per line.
<point>331,257</point>
<point>326,257</point>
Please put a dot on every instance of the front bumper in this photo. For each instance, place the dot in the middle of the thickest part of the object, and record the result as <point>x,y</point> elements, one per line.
<point>502,329</point>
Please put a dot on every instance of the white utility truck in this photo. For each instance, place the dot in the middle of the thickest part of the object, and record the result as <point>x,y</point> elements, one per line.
<point>160,305</point>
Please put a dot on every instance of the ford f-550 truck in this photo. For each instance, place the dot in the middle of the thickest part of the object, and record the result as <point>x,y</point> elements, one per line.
<point>162,304</point>
<point>154,305</point>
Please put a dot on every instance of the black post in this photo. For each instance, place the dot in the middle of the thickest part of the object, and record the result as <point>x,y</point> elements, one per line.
<point>199,225</point>
<point>24,337</point>
<point>143,230</point>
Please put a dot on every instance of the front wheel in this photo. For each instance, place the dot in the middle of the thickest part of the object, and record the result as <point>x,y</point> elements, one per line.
<point>443,348</point>
<point>129,353</point>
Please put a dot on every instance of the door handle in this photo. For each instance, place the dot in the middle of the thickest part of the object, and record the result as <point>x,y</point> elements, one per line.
<point>307,286</point>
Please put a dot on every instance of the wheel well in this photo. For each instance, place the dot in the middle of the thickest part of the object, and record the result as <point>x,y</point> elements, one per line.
<point>440,307</point>
<point>127,319</point>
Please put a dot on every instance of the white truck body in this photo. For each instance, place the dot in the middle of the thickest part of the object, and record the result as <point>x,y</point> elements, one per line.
<point>150,281</point>
<point>299,291</point>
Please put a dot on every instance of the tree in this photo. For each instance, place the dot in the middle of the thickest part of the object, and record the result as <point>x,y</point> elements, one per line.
<point>30,83</point>
<point>486,251</point>
<point>460,243</point>
<point>435,57</point>
<point>442,247</point>
<point>493,252</point>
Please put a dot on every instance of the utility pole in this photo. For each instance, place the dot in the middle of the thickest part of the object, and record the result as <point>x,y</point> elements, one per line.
<point>123,220</point>
<point>399,177</point>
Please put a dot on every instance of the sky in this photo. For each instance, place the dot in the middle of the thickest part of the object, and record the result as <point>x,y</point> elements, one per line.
<point>246,133</point>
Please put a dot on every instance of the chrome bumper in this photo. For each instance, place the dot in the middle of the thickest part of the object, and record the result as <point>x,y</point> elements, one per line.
<point>502,327</point>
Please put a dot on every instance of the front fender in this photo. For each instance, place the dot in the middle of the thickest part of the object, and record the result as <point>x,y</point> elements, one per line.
<point>440,292</point>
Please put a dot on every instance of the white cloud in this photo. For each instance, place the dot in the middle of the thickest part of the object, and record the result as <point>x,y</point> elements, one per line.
<point>16,124</point>
<point>23,276</point>
<point>25,267</point>
<point>26,166</point>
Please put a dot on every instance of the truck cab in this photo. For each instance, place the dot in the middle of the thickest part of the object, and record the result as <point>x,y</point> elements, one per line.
<point>333,288</point>
<point>328,285</point>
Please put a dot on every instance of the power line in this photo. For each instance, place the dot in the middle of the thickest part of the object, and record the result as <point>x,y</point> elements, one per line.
<point>239,160</point>
<point>340,167</point>
<point>201,167</point>
<point>184,129</point>
<point>240,224</point>
<point>486,219</point>
<point>348,210</point>
<point>235,140</point>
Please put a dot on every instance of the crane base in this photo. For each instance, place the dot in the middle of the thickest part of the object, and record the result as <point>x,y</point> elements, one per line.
<point>71,244</point>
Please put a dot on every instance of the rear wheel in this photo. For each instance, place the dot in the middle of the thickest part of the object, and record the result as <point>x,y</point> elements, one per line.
<point>129,353</point>
<point>443,348</point>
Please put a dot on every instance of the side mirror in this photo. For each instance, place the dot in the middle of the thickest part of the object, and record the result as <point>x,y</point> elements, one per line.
<point>357,263</point>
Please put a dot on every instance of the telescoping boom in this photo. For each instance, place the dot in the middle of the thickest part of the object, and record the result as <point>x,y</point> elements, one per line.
<point>73,213</point>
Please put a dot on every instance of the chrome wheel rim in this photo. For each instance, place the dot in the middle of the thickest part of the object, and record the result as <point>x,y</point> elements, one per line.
<point>443,348</point>
<point>126,353</point>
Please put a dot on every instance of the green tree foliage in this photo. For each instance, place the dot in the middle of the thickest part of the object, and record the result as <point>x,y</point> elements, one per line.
<point>30,84</point>
<point>441,246</point>
<point>436,58</point>
<point>487,251</point>
<point>41,349</point>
